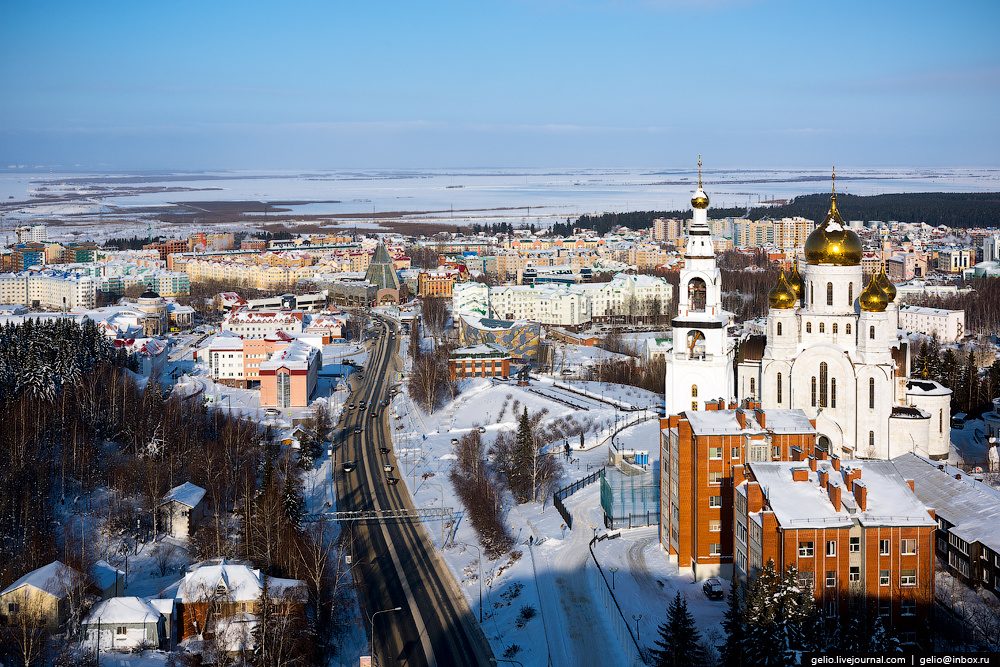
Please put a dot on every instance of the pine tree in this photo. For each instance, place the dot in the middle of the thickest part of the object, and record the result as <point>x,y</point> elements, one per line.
<point>293,502</point>
<point>734,625</point>
<point>679,638</point>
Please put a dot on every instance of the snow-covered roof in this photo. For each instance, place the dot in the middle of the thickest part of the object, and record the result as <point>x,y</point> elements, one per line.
<point>720,422</point>
<point>926,388</point>
<point>972,506</point>
<point>186,494</point>
<point>489,349</point>
<point>297,355</point>
<point>804,504</point>
<point>52,578</point>
<point>123,610</point>
<point>787,421</point>
<point>241,582</point>
<point>105,574</point>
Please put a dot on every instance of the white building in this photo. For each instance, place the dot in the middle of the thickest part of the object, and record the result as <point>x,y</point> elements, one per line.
<point>48,289</point>
<point>991,248</point>
<point>261,323</point>
<point>947,325</point>
<point>700,361</point>
<point>832,350</point>
<point>469,298</point>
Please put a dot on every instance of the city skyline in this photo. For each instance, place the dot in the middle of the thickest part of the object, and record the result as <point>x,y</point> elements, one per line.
<point>516,83</point>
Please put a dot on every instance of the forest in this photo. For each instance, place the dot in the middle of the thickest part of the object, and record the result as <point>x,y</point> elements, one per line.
<point>89,448</point>
<point>952,209</point>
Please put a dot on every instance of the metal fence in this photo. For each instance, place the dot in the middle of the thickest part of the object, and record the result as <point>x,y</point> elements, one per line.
<point>630,501</point>
<point>567,491</point>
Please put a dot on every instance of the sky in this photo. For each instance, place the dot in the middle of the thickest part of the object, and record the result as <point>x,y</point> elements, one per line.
<point>498,83</point>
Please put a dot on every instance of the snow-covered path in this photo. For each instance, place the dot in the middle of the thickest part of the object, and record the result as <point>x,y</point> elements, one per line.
<point>575,624</point>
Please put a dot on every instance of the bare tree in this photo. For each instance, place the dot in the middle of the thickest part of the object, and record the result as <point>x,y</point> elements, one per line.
<point>434,312</point>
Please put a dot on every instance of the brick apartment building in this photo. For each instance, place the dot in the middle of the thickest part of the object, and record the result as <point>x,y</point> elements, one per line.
<point>854,530</point>
<point>698,450</point>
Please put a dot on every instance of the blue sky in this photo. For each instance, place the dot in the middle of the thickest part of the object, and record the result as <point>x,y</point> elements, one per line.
<point>509,83</point>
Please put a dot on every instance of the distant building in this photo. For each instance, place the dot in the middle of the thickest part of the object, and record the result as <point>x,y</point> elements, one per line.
<point>261,323</point>
<point>181,510</point>
<point>485,360</point>
<point>947,325</point>
<point>520,337</point>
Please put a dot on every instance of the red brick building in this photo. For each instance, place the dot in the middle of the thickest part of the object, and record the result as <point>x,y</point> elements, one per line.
<point>165,248</point>
<point>854,530</point>
<point>698,450</point>
<point>485,360</point>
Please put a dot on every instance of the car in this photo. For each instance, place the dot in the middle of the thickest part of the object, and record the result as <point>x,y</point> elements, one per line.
<point>567,371</point>
<point>351,406</point>
<point>387,467</point>
<point>348,466</point>
<point>391,481</point>
<point>272,412</point>
<point>374,414</point>
<point>713,589</point>
<point>383,450</point>
<point>357,429</point>
<point>481,429</point>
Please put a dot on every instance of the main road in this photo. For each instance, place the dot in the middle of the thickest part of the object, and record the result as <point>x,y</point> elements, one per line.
<point>396,562</point>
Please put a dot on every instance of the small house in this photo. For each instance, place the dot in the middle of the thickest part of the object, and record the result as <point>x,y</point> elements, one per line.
<point>107,579</point>
<point>180,511</point>
<point>124,624</point>
<point>42,596</point>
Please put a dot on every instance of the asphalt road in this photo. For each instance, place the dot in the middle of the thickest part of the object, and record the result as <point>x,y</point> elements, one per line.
<point>397,565</point>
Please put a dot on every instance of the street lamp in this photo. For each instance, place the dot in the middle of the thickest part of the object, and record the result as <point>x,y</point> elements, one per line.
<point>373,626</point>
<point>612,570</point>
<point>637,619</point>
<point>480,578</point>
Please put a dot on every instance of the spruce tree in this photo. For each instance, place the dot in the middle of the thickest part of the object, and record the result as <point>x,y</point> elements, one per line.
<point>293,502</point>
<point>679,638</point>
<point>734,625</point>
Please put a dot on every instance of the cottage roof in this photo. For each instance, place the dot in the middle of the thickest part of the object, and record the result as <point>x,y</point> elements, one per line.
<point>241,582</point>
<point>51,578</point>
<point>123,610</point>
<point>186,494</point>
<point>105,574</point>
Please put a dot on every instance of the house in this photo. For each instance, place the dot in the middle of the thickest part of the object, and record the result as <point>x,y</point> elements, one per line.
<point>180,511</point>
<point>124,624</point>
<point>108,580</point>
<point>42,596</point>
<point>221,589</point>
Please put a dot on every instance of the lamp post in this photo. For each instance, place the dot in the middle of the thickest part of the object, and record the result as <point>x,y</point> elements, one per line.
<point>637,619</point>
<point>480,578</point>
<point>373,626</point>
<point>612,570</point>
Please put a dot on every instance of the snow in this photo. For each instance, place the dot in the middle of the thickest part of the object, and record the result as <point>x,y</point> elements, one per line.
<point>124,610</point>
<point>52,578</point>
<point>242,582</point>
<point>105,574</point>
<point>186,494</point>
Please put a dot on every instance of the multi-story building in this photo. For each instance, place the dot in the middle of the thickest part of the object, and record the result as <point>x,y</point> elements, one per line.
<point>484,360</point>
<point>167,248</point>
<point>49,289</point>
<point>947,325</point>
<point>854,530</point>
<point>288,377</point>
<point>26,255</point>
<point>954,260</point>
<point>437,283</point>
<point>242,362</point>
<point>667,229</point>
<point>698,449</point>
<point>261,323</point>
<point>469,298</point>
<point>991,248</point>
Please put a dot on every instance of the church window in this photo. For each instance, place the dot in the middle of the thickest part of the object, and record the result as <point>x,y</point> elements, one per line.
<point>871,442</point>
<point>834,328</point>
<point>779,388</point>
<point>811,300</point>
<point>814,391</point>
<point>753,388</point>
<point>833,392</point>
<point>823,384</point>
<point>850,296</point>
<point>694,391</point>
<point>871,332</point>
<point>694,405</point>
<point>829,294</point>
<point>941,421</point>
<point>809,327</point>
<point>822,327</point>
<point>779,328</point>
<point>847,328</point>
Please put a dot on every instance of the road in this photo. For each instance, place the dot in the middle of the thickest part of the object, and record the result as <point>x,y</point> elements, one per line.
<point>397,565</point>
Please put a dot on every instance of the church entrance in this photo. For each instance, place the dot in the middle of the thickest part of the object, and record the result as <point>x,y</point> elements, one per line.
<point>823,443</point>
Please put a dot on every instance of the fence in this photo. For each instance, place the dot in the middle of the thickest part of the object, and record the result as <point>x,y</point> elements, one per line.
<point>622,628</point>
<point>630,501</point>
<point>569,491</point>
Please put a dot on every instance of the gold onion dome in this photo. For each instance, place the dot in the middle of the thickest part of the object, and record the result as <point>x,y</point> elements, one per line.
<point>782,296</point>
<point>873,299</point>
<point>886,284</point>
<point>700,199</point>
<point>795,281</point>
<point>831,242</point>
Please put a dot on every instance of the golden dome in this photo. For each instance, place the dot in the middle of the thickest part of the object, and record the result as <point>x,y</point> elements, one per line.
<point>873,299</point>
<point>831,242</point>
<point>700,199</point>
<point>782,296</point>
<point>886,284</point>
<point>795,281</point>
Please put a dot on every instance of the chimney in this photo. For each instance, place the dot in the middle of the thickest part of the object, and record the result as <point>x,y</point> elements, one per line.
<point>836,462</point>
<point>796,454</point>
<point>761,418</point>
<point>741,418</point>
<point>732,405</point>
<point>910,484</point>
<point>800,475</point>
<point>822,455</point>
<point>940,466</point>
<point>834,492</point>
<point>861,495</point>
<point>958,475</point>
<point>812,463</point>
<point>824,478</point>
<point>739,475</point>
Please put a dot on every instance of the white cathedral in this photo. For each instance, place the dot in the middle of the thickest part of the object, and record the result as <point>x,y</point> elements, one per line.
<point>832,349</point>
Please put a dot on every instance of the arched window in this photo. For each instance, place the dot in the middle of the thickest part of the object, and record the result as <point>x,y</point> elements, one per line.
<point>809,327</point>
<point>823,384</point>
<point>753,388</point>
<point>834,328</point>
<point>871,440</point>
<point>694,391</point>
<point>847,327</point>
<point>850,295</point>
<point>871,332</point>
<point>871,393</point>
<point>778,387</point>
<point>833,392</point>
<point>829,294</point>
<point>779,328</point>
<point>814,391</point>
<point>822,327</point>
<point>941,420</point>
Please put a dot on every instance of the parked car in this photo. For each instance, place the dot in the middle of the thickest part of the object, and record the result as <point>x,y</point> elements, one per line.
<point>482,429</point>
<point>713,589</point>
<point>272,412</point>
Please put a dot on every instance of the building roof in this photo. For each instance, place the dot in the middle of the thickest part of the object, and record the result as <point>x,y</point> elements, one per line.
<point>242,583</point>
<point>186,494</point>
<point>382,270</point>
<point>104,574</point>
<point>52,578</point>
<point>720,422</point>
<point>123,610</point>
<point>972,506</point>
<point>480,350</point>
<point>804,504</point>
